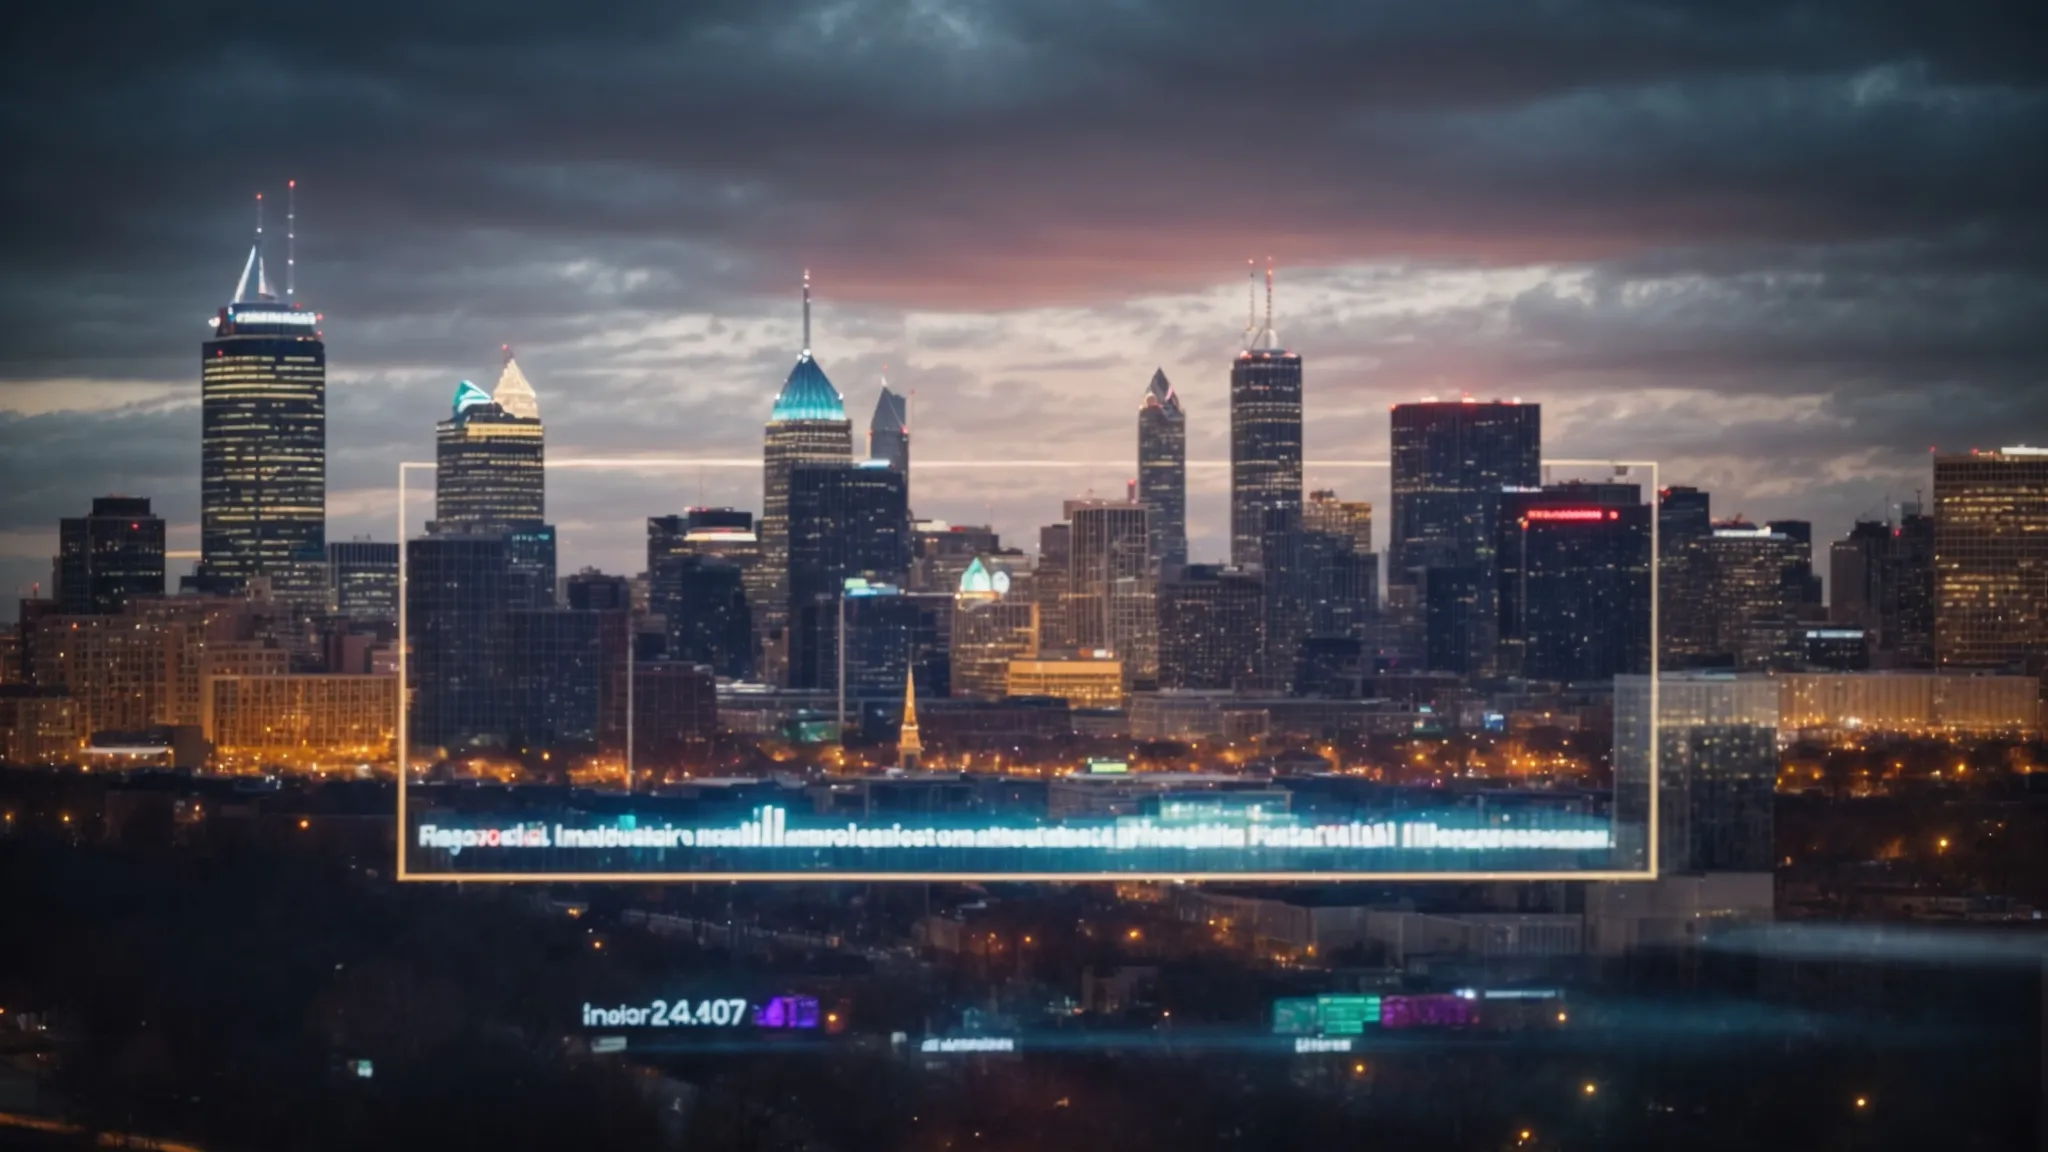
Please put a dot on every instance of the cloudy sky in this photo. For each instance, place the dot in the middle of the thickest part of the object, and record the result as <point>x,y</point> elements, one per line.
<point>1782,248</point>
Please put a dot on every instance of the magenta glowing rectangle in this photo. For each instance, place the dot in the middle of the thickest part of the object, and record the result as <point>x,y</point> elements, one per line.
<point>1427,1012</point>
<point>1587,515</point>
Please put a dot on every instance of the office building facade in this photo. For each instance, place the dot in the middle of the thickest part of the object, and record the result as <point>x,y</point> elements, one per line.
<point>1265,446</point>
<point>489,467</point>
<point>1991,559</point>
<point>889,431</point>
<point>1351,519</point>
<point>263,441</point>
<point>1574,585</point>
<point>1685,579</point>
<point>1451,462</point>
<point>846,522</point>
<point>362,579</point>
<point>109,557</point>
<point>1212,624</point>
<point>1754,605</point>
<point>807,425</point>
<point>1113,600</point>
<point>991,627</point>
<point>1163,470</point>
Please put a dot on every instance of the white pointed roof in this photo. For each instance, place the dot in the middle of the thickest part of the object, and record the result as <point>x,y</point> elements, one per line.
<point>513,393</point>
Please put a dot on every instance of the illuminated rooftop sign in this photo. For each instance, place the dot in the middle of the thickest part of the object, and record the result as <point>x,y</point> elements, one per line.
<point>287,319</point>
<point>1572,514</point>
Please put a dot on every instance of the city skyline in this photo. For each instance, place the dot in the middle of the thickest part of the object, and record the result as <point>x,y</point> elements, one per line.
<point>1793,344</point>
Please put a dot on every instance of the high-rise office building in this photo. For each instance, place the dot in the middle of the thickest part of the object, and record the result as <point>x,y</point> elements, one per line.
<point>1163,471</point>
<point>558,666</point>
<point>889,431</point>
<point>1339,586</point>
<point>990,628</point>
<point>490,479</point>
<point>458,590</point>
<point>724,534</point>
<point>1717,771</point>
<point>702,600</point>
<point>846,522</point>
<point>1574,584</point>
<point>593,591</point>
<point>807,425</point>
<point>1856,574</point>
<point>490,464</point>
<point>1451,462</point>
<point>1991,559</point>
<point>1684,579</point>
<point>362,579</point>
<point>1212,624</point>
<point>1753,604</point>
<point>889,634</point>
<point>263,440</point>
<point>1113,600</point>
<point>1906,595</point>
<point>1265,448</point>
<point>1351,519</point>
<point>1800,577</point>
<point>940,553</point>
<point>109,557</point>
<point>1050,586</point>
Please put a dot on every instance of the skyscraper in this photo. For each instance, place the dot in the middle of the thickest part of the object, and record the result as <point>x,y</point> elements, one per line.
<point>1906,595</point>
<point>1684,520</point>
<point>990,628</point>
<point>1114,587</point>
<point>1574,585</point>
<point>362,579</point>
<point>458,590</point>
<point>1265,444</point>
<point>109,557</point>
<point>1753,608</point>
<point>1351,519</point>
<point>1163,471</point>
<point>263,438</point>
<point>1451,462</point>
<point>1212,624</point>
<point>1800,577</point>
<point>1856,573</point>
<point>846,521</point>
<point>1991,558</point>
<point>889,431</point>
<point>489,460</point>
<point>808,424</point>
<point>1050,587</point>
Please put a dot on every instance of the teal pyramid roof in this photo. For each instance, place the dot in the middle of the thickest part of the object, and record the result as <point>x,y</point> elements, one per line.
<point>808,395</point>
<point>467,396</point>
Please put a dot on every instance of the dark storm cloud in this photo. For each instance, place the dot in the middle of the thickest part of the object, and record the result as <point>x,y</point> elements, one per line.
<point>1774,231</point>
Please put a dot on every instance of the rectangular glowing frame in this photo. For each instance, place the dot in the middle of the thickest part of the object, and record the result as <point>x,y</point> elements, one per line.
<point>404,735</point>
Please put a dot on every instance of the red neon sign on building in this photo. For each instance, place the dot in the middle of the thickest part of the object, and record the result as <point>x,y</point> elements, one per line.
<point>1571,514</point>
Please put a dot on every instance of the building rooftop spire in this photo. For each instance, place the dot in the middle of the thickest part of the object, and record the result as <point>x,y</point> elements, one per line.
<point>908,746</point>
<point>254,286</point>
<point>1268,340</point>
<point>514,394</point>
<point>807,394</point>
<point>1160,394</point>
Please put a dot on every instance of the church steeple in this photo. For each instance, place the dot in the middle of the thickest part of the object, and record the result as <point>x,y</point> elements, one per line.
<point>909,749</point>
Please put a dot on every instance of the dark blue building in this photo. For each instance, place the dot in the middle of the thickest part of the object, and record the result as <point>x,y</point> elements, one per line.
<point>1573,563</point>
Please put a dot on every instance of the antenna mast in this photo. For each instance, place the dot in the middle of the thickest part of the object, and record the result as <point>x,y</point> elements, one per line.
<point>1269,293</point>
<point>1251,300</point>
<point>291,235</point>
<point>807,311</point>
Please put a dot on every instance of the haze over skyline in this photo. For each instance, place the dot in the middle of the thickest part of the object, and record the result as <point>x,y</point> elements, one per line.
<point>1781,248</point>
